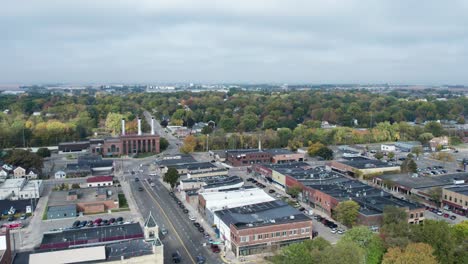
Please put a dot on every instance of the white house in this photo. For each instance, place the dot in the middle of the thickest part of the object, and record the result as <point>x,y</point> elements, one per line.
<point>3,173</point>
<point>99,181</point>
<point>387,147</point>
<point>60,175</point>
<point>19,172</point>
<point>31,175</point>
<point>7,167</point>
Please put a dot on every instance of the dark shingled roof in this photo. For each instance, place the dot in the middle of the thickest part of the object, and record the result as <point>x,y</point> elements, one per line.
<point>150,222</point>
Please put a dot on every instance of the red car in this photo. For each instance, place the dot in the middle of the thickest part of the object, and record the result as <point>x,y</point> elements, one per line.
<point>98,221</point>
<point>215,248</point>
<point>446,215</point>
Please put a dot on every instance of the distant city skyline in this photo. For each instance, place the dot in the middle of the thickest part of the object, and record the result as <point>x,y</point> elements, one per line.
<point>220,41</point>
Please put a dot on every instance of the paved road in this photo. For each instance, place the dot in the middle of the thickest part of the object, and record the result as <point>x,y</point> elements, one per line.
<point>174,143</point>
<point>182,235</point>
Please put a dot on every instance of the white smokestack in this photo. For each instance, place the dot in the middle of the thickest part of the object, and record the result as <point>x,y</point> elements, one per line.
<point>152,125</point>
<point>123,127</point>
<point>139,126</point>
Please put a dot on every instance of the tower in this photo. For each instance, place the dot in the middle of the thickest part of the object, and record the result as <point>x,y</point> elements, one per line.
<point>151,228</point>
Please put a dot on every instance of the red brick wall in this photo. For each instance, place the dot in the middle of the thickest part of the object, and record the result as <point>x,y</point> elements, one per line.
<point>270,229</point>
<point>285,157</point>
<point>262,170</point>
<point>369,220</point>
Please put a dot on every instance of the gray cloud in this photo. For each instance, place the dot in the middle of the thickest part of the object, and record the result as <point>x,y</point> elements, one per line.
<point>234,41</point>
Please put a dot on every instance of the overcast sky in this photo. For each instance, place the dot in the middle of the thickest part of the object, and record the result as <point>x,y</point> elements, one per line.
<point>289,41</point>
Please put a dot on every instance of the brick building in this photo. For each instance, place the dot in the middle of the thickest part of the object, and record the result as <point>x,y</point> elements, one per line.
<point>245,157</point>
<point>456,199</point>
<point>87,200</point>
<point>262,227</point>
<point>124,144</point>
<point>323,189</point>
<point>359,167</point>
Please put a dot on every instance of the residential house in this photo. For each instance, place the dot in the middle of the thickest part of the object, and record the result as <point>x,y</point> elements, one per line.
<point>19,172</point>
<point>60,174</point>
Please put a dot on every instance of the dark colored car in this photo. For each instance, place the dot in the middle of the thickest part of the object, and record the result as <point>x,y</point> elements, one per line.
<point>176,257</point>
<point>137,179</point>
<point>105,222</point>
<point>254,181</point>
<point>179,202</point>
<point>453,217</point>
<point>182,206</point>
<point>98,221</point>
<point>12,218</point>
<point>215,248</point>
<point>119,219</point>
<point>301,209</point>
<point>171,193</point>
<point>112,220</point>
<point>249,179</point>
<point>90,223</point>
<point>196,224</point>
<point>201,229</point>
<point>83,223</point>
<point>314,233</point>
<point>271,191</point>
<point>186,211</point>
<point>76,224</point>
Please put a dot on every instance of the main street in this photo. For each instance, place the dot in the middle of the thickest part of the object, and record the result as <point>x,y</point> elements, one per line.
<point>182,236</point>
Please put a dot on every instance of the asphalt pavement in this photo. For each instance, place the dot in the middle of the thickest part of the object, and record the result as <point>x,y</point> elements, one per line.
<point>182,235</point>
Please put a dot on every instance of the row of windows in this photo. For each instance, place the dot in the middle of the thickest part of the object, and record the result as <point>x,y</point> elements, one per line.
<point>416,215</point>
<point>455,200</point>
<point>292,232</point>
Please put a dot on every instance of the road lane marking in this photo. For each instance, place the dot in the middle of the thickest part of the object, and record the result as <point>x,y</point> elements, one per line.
<point>170,223</point>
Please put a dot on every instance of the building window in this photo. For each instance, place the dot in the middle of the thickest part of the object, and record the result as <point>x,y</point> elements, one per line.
<point>445,197</point>
<point>285,233</point>
<point>278,234</point>
<point>244,238</point>
<point>421,214</point>
<point>266,235</point>
<point>455,200</point>
<point>450,198</point>
<point>307,230</point>
<point>260,236</point>
<point>411,216</point>
<point>255,237</point>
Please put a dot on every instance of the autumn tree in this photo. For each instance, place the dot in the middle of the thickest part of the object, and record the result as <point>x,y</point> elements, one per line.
<point>314,148</point>
<point>414,253</point>
<point>346,212</point>
<point>113,123</point>
<point>24,158</point>
<point>189,145</point>
<point>294,190</point>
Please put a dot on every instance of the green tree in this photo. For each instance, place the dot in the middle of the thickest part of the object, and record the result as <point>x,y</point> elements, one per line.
<point>207,130</point>
<point>409,165</point>
<point>435,194</point>
<point>24,158</point>
<point>395,227</point>
<point>379,155</point>
<point>171,177</point>
<point>344,252</point>
<point>163,144</point>
<point>425,137</point>
<point>391,155</point>
<point>43,152</point>
<point>347,212</point>
<point>314,148</point>
<point>309,251</point>
<point>368,241</point>
<point>438,234</point>
<point>75,186</point>
<point>294,190</point>
<point>435,128</point>
<point>417,151</point>
<point>325,153</point>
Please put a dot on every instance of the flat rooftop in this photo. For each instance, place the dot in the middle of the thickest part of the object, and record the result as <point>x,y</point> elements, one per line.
<point>173,160</point>
<point>366,163</point>
<point>91,235</point>
<point>422,182</point>
<point>85,195</point>
<point>234,198</point>
<point>261,214</point>
<point>13,183</point>
<point>376,205</point>
<point>195,166</point>
<point>463,189</point>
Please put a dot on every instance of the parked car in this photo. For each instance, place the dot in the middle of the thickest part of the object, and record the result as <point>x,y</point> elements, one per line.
<point>112,220</point>
<point>23,216</point>
<point>200,259</point>
<point>215,248</point>
<point>301,209</point>
<point>186,211</point>
<point>196,224</point>
<point>119,219</point>
<point>83,223</point>
<point>90,223</point>
<point>334,230</point>
<point>137,179</point>
<point>271,191</point>
<point>249,179</point>
<point>12,218</point>
<point>314,234</point>
<point>176,258</point>
<point>446,215</point>
<point>140,189</point>
<point>438,212</point>
<point>98,221</point>
<point>201,229</point>
<point>164,231</point>
<point>341,231</point>
<point>453,217</point>
<point>76,224</point>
